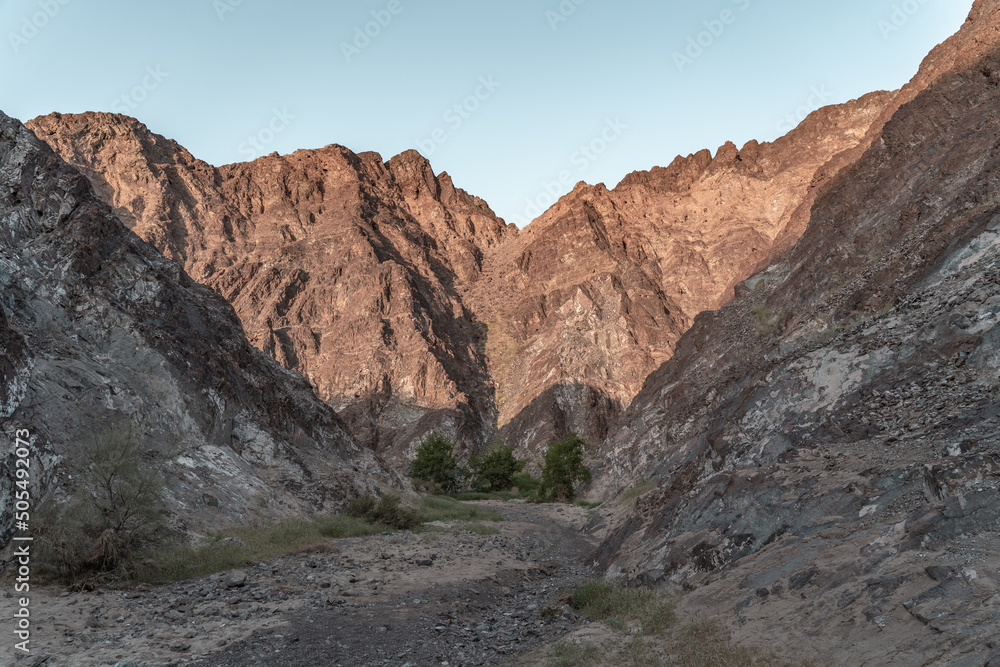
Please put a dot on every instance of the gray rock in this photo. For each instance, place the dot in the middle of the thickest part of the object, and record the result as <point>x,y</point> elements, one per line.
<point>939,572</point>
<point>236,579</point>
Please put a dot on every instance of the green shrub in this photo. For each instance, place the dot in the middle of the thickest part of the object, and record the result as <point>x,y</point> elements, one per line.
<point>387,511</point>
<point>436,464</point>
<point>114,512</point>
<point>361,506</point>
<point>563,469</point>
<point>495,470</point>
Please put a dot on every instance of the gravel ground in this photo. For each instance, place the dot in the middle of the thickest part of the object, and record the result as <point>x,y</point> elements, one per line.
<point>450,597</point>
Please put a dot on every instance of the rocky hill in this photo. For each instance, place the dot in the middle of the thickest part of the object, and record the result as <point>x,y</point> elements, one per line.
<point>821,455</point>
<point>342,267</point>
<point>410,306</point>
<point>590,298</point>
<point>96,323</point>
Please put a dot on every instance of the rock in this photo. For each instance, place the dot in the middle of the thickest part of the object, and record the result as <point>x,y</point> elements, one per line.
<point>344,267</point>
<point>784,417</point>
<point>428,301</point>
<point>32,660</point>
<point>939,572</point>
<point>233,542</point>
<point>236,579</point>
<point>111,328</point>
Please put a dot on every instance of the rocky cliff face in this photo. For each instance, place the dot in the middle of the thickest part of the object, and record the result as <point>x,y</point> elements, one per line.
<point>822,454</point>
<point>409,305</point>
<point>590,298</point>
<point>97,323</point>
<point>342,267</point>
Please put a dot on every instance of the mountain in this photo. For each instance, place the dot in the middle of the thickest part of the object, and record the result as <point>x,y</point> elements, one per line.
<point>819,458</point>
<point>410,306</point>
<point>95,323</point>
<point>342,267</point>
<point>590,298</point>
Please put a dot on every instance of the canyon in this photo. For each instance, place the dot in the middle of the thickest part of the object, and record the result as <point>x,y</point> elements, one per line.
<point>411,307</point>
<point>784,357</point>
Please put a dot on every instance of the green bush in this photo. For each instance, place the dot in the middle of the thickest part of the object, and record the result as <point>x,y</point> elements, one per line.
<point>495,470</point>
<point>436,464</point>
<point>563,469</point>
<point>387,511</point>
<point>114,513</point>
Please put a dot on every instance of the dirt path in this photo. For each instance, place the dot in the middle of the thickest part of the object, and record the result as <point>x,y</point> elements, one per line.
<point>445,597</point>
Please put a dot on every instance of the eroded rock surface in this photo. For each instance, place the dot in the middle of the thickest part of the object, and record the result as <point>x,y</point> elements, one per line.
<point>342,267</point>
<point>96,322</point>
<point>823,451</point>
<point>590,298</point>
<point>410,306</point>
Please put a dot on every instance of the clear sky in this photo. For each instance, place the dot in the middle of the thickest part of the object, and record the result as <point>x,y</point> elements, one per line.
<point>502,94</point>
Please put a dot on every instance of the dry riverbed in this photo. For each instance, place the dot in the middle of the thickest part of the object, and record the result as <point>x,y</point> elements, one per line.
<point>449,596</point>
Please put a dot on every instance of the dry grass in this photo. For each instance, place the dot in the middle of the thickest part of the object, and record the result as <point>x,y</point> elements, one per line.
<point>244,545</point>
<point>625,608</point>
<point>645,633</point>
<point>636,491</point>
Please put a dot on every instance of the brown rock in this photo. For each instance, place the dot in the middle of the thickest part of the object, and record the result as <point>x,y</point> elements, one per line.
<point>590,298</point>
<point>97,323</point>
<point>342,267</point>
<point>837,422</point>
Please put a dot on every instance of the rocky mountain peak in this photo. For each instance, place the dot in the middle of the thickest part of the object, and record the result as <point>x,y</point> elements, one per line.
<point>97,324</point>
<point>835,427</point>
<point>382,282</point>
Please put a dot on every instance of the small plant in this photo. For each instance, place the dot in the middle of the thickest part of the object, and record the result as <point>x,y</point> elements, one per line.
<point>115,511</point>
<point>436,464</point>
<point>637,490</point>
<point>603,601</point>
<point>495,471</point>
<point>440,508</point>
<point>563,469</point>
<point>587,505</point>
<point>767,322</point>
<point>478,529</point>
<point>526,484</point>
<point>567,654</point>
<point>387,511</point>
<point>244,545</point>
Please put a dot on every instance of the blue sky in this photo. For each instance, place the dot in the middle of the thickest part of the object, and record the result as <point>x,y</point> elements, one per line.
<point>517,99</point>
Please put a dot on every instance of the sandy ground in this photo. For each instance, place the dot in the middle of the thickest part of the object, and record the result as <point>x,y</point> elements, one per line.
<point>444,597</point>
